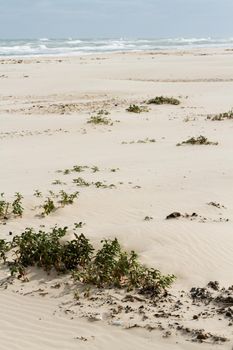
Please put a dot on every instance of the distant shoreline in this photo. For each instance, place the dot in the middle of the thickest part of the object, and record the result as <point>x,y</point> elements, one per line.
<point>77,47</point>
<point>164,52</point>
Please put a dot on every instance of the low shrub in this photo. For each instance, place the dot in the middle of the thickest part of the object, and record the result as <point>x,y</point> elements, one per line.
<point>200,140</point>
<point>136,109</point>
<point>8,209</point>
<point>221,116</point>
<point>99,119</point>
<point>161,100</point>
<point>108,267</point>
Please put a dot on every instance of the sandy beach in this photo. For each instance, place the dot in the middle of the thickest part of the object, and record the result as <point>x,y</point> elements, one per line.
<point>143,177</point>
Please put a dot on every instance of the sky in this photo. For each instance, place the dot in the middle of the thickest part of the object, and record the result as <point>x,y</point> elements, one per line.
<point>115,18</point>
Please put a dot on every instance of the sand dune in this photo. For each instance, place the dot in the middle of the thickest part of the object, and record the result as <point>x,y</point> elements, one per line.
<point>44,109</point>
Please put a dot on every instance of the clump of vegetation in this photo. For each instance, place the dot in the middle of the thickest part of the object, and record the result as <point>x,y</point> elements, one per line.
<point>161,100</point>
<point>63,199</point>
<point>66,171</point>
<point>58,182</point>
<point>200,140</point>
<point>95,169</point>
<point>37,194</point>
<point>17,208</point>
<point>78,225</point>
<point>148,218</point>
<point>221,116</point>
<point>81,182</point>
<point>4,249</point>
<point>111,266</point>
<point>137,109</point>
<point>100,184</point>
<point>8,209</point>
<point>103,112</point>
<point>67,199</point>
<point>79,168</point>
<point>114,170</point>
<point>108,267</point>
<point>100,118</point>
<point>48,207</point>
<point>75,168</point>
<point>4,206</point>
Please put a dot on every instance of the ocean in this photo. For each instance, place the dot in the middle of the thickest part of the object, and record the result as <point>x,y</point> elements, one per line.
<point>72,46</point>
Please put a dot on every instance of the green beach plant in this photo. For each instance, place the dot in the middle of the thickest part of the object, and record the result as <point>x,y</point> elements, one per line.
<point>99,120</point>
<point>161,100</point>
<point>67,199</point>
<point>100,184</point>
<point>7,209</point>
<point>200,140</point>
<point>48,207</point>
<point>109,266</point>
<point>4,206</point>
<point>79,168</point>
<point>58,182</point>
<point>137,109</point>
<point>95,169</point>
<point>37,194</point>
<point>4,249</point>
<point>221,116</point>
<point>81,182</point>
<point>17,208</point>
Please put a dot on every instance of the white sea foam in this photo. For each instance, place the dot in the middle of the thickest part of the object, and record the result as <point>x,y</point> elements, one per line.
<point>75,46</point>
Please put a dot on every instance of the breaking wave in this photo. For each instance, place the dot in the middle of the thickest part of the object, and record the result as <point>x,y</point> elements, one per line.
<point>75,46</point>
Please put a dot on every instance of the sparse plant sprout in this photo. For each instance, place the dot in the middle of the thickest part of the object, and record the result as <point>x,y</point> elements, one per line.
<point>200,140</point>
<point>7,209</point>
<point>52,194</point>
<point>4,248</point>
<point>37,194</point>
<point>114,170</point>
<point>67,199</point>
<point>95,169</point>
<point>75,168</point>
<point>148,218</point>
<point>103,112</point>
<point>216,205</point>
<point>48,207</point>
<point>58,182</point>
<point>4,206</point>
<point>137,109</point>
<point>100,184</point>
<point>17,208</point>
<point>221,116</point>
<point>161,100</point>
<point>79,168</point>
<point>66,171</point>
<point>147,140</point>
<point>81,182</point>
<point>79,225</point>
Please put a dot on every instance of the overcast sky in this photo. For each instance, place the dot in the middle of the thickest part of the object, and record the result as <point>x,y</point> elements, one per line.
<point>115,18</point>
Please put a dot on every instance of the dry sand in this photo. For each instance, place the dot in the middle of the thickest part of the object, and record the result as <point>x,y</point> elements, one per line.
<point>44,107</point>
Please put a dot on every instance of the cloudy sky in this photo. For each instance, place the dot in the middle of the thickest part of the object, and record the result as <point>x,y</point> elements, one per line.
<point>115,18</point>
